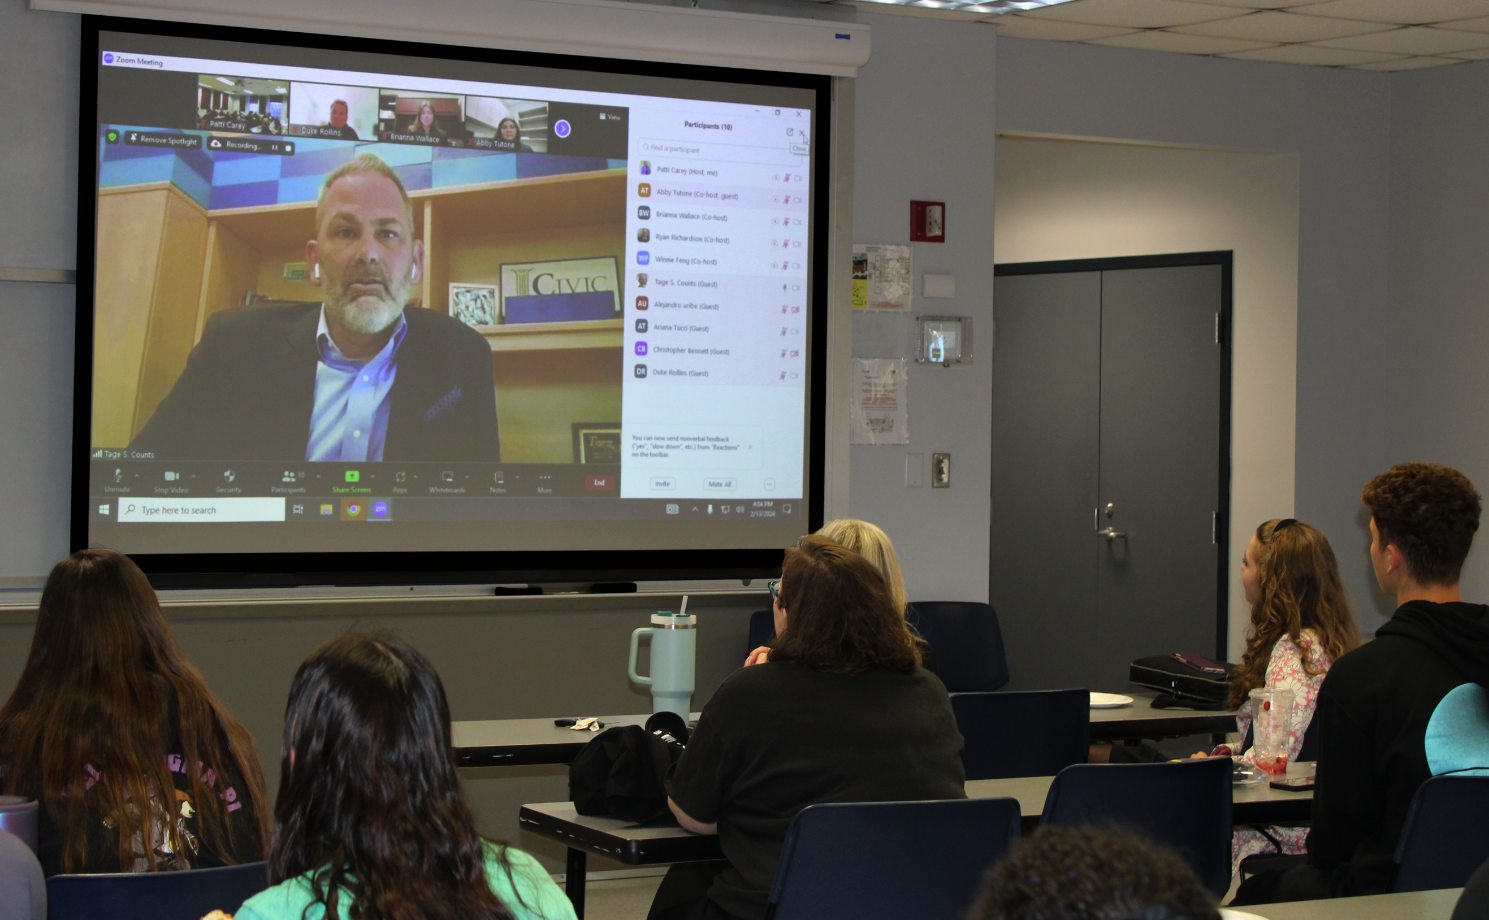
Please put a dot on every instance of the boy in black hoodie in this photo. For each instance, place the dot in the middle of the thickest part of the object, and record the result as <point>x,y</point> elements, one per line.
<point>1376,701</point>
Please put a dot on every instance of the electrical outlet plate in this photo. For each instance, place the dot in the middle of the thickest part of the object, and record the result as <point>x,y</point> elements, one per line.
<point>940,471</point>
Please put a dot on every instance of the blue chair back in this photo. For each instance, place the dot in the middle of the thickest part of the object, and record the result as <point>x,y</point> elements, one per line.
<point>154,895</point>
<point>1185,806</point>
<point>968,643</point>
<point>1022,732</point>
<point>890,860</point>
<point>1443,840</point>
<point>762,630</point>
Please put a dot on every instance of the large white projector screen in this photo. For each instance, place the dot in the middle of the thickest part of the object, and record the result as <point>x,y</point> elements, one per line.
<point>351,305</point>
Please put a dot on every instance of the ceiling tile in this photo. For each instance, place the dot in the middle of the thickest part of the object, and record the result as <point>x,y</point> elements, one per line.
<point>1404,12</point>
<point>1414,40</point>
<point>1471,25</point>
<point>1313,54</point>
<point>1154,40</point>
<point>1052,29</point>
<point>1262,4</point>
<point>1134,14</point>
<point>1411,63</point>
<point>1275,26</point>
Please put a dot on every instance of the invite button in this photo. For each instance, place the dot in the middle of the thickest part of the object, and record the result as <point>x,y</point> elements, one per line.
<point>720,485</point>
<point>231,510</point>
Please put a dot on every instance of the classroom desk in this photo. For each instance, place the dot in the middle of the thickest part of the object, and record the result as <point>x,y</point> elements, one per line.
<point>522,742</point>
<point>664,841</point>
<point>1410,905</point>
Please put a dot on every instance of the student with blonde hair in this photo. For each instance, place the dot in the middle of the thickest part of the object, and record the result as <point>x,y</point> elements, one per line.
<point>874,545</point>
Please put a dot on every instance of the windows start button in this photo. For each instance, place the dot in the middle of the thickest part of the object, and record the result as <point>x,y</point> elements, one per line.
<point>720,484</point>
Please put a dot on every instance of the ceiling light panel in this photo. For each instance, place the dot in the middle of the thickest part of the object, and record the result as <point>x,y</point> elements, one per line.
<point>1277,26</point>
<point>1314,54</point>
<point>1136,14</point>
<point>1402,12</point>
<point>1414,40</point>
<point>1157,40</point>
<point>1053,29</point>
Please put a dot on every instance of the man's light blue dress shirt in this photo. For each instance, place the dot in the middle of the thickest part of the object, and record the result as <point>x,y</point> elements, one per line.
<point>350,420</point>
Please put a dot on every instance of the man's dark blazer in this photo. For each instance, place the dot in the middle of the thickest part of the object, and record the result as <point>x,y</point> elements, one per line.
<point>249,389</point>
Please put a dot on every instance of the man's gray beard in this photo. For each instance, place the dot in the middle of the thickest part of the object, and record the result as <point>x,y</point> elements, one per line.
<point>368,321</point>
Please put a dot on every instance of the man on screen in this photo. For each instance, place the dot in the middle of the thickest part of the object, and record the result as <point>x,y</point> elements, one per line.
<point>343,130</point>
<point>359,377</point>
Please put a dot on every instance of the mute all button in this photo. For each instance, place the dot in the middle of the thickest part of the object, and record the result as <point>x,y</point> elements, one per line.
<point>720,485</point>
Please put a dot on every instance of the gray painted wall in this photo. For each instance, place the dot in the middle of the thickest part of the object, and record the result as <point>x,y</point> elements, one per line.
<point>925,131</point>
<point>1339,122</point>
<point>1429,388</point>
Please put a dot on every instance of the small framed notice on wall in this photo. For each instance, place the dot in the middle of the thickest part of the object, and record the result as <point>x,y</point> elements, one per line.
<point>928,221</point>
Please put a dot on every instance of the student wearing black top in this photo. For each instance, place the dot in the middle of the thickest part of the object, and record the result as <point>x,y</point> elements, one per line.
<point>137,768</point>
<point>842,712</point>
<point>1375,707</point>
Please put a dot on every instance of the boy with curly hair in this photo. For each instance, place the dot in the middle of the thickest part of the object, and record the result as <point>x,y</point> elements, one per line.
<point>1382,709</point>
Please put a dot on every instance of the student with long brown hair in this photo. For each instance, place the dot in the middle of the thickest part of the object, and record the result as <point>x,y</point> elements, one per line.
<point>372,822</point>
<point>841,712</point>
<point>1300,625</point>
<point>136,766</point>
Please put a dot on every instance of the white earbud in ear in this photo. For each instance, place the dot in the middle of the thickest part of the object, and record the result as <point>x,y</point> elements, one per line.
<point>315,272</point>
<point>413,273</point>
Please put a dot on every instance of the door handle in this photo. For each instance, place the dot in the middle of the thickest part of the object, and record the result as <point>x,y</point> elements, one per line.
<point>1111,534</point>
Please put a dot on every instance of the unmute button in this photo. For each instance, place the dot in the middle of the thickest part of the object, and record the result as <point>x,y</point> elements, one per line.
<point>719,485</point>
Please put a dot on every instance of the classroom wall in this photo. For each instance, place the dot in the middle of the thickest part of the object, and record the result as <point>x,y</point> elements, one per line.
<point>925,131</point>
<point>1339,123</point>
<point>1062,200</point>
<point>1429,385</point>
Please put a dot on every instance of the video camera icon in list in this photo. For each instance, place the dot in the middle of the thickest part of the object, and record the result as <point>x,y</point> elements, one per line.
<point>640,371</point>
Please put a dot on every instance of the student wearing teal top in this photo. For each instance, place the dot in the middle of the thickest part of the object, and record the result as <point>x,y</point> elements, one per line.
<point>371,821</point>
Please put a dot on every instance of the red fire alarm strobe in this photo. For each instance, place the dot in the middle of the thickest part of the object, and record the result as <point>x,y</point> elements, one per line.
<point>928,221</point>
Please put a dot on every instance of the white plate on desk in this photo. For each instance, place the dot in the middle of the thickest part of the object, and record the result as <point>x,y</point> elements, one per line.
<point>1109,701</point>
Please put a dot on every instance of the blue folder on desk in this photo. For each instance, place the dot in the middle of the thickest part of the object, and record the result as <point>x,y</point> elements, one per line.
<point>560,308</point>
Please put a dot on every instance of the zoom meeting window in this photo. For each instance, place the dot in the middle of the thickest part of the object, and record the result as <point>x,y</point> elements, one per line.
<point>399,303</point>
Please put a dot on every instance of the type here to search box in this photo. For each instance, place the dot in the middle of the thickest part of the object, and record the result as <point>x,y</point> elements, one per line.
<point>228,510</point>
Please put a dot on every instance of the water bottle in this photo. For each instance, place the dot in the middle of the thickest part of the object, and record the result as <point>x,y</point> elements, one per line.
<point>674,646</point>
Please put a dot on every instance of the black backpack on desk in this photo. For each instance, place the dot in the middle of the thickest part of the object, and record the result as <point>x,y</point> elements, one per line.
<point>1184,684</point>
<point>620,773</point>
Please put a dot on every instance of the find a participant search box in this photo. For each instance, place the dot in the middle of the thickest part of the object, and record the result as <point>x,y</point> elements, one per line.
<point>224,510</point>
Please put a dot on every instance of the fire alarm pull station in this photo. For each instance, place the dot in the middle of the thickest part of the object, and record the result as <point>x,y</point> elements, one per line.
<point>928,221</point>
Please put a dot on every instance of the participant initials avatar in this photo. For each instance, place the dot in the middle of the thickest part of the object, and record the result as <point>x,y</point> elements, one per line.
<point>644,190</point>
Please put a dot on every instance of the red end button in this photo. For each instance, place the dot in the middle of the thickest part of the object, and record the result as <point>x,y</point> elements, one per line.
<point>593,483</point>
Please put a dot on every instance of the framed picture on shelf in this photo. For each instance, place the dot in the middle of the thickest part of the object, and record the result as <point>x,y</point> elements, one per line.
<point>596,442</point>
<point>473,304</point>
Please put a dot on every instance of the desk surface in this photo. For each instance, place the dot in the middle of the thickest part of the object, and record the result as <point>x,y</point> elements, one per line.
<point>519,742</point>
<point>665,841</point>
<point>1411,905</point>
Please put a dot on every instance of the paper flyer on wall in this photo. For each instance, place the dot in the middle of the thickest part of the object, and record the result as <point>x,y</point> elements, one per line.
<point>880,410</point>
<point>883,277</point>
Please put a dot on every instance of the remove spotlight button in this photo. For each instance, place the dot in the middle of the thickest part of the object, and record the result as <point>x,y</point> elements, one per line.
<point>596,483</point>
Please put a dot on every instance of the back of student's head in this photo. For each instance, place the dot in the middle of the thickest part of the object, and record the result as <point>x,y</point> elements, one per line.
<point>840,615</point>
<point>87,727</point>
<point>1086,873</point>
<point>1298,588</point>
<point>368,790</point>
<point>873,544</point>
<point>1429,512</point>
